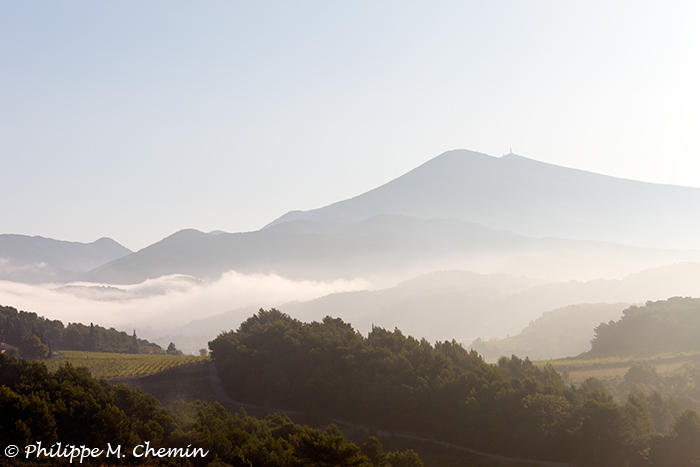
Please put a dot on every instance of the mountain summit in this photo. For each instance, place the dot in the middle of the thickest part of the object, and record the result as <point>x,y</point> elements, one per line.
<point>529,197</point>
<point>460,210</point>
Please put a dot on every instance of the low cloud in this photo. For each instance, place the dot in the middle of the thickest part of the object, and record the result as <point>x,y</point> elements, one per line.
<point>165,302</point>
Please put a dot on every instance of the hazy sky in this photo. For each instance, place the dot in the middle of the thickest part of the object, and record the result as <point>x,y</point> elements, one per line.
<point>136,119</point>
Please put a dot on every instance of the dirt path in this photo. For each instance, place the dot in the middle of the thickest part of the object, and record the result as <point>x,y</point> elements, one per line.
<point>224,398</point>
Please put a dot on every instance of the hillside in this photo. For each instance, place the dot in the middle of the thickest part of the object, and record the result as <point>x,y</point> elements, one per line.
<point>559,333</point>
<point>467,306</point>
<point>463,305</point>
<point>116,366</point>
<point>394,382</point>
<point>36,337</point>
<point>38,259</point>
<point>666,326</point>
<point>529,197</point>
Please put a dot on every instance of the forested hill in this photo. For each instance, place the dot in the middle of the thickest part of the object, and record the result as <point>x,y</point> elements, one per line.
<point>36,337</point>
<point>671,325</point>
<point>392,382</point>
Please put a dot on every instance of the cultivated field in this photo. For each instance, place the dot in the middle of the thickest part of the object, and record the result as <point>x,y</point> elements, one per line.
<point>608,368</point>
<point>119,365</point>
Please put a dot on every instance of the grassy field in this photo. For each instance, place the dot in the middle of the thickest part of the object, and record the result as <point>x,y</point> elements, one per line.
<point>607,368</point>
<point>119,365</point>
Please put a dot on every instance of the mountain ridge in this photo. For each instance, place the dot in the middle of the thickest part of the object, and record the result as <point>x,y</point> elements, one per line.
<point>383,245</point>
<point>528,197</point>
<point>36,258</point>
<point>508,206</point>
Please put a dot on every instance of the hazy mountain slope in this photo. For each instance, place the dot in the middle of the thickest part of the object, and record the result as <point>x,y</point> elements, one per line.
<point>475,306</point>
<point>563,332</point>
<point>312,250</point>
<point>464,305</point>
<point>531,198</point>
<point>38,259</point>
<point>394,246</point>
<point>432,305</point>
<point>461,210</point>
<point>432,302</point>
<point>489,306</point>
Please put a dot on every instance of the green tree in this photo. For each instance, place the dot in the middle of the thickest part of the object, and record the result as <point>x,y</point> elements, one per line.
<point>682,447</point>
<point>31,347</point>
<point>172,350</point>
<point>407,458</point>
<point>373,449</point>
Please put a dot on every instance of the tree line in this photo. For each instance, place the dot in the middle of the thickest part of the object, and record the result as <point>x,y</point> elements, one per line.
<point>671,325</point>
<point>37,337</point>
<point>393,382</point>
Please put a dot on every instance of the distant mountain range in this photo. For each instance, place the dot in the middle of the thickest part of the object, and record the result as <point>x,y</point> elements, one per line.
<point>38,259</point>
<point>460,210</point>
<point>379,246</point>
<point>310,250</point>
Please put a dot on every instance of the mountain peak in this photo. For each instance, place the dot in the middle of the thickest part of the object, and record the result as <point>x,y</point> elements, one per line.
<point>107,241</point>
<point>461,155</point>
<point>187,233</point>
<point>42,259</point>
<point>527,196</point>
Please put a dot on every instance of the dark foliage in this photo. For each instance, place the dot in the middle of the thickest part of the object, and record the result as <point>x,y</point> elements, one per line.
<point>393,382</point>
<point>671,325</point>
<point>172,350</point>
<point>36,337</point>
<point>72,407</point>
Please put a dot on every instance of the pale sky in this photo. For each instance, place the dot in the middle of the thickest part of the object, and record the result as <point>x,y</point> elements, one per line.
<point>136,119</point>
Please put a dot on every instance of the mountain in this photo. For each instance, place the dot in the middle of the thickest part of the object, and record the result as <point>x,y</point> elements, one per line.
<point>39,259</point>
<point>381,246</point>
<point>460,210</point>
<point>310,250</point>
<point>564,332</point>
<point>531,198</point>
